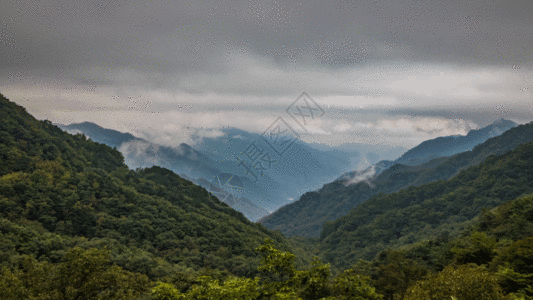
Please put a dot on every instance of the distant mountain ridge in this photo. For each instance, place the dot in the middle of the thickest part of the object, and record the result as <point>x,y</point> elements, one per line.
<point>189,163</point>
<point>110,137</point>
<point>435,148</point>
<point>451,145</point>
<point>306,216</point>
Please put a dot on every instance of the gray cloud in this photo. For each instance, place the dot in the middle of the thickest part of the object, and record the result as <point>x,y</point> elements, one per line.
<point>184,35</point>
<point>156,68</point>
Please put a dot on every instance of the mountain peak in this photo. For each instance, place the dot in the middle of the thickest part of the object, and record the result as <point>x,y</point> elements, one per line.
<point>504,122</point>
<point>450,145</point>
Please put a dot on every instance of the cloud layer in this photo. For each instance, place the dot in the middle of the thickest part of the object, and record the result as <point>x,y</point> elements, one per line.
<point>171,72</point>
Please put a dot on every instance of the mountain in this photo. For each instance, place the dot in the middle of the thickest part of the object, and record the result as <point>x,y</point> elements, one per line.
<point>112,138</point>
<point>303,167</point>
<point>140,153</point>
<point>451,145</point>
<point>242,204</point>
<point>498,239</point>
<point>60,192</point>
<point>438,147</point>
<point>417,213</point>
<point>184,160</point>
<point>364,155</point>
<point>306,216</point>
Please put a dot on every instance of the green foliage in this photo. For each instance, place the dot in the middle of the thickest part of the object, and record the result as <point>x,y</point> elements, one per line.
<point>421,213</point>
<point>352,286</point>
<point>514,264</point>
<point>483,242</point>
<point>165,291</point>
<point>392,272</point>
<point>84,274</point>
<point>314,282</point>
<point>278,280</point>
<point>463,282</point>
<point>481,250</point>
<point>69,191</point>
<point>232,288</point>
<point>516,282</point>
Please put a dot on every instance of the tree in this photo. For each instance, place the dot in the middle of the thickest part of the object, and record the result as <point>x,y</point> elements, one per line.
<point>481,249</point>
<point>314,282</point>
<point>462,282</point>
<point>522,284</point>
<point>84,274</point>
<point>395,273</point>
<point>166,291</point>
<point>514,264</point>
<point>210,289</point>
<point>352,286</point>
<point>277,269</point>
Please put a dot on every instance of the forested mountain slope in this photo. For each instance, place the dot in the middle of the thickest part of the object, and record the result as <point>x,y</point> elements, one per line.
<point>183,159</point>
<point>59,191</point>
<point>486,258</point>
<point>417,213</point>
<point>500,240</point>
<point>306,216</point>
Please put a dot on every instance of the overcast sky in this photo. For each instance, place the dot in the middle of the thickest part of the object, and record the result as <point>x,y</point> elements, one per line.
<point>396,72</point>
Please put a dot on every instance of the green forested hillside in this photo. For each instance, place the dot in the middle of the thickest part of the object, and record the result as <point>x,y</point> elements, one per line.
<point>436,209</point>
<point>306,216</point>
<point>491,258</point>
<point>59,191</point>
<point>500,241</point>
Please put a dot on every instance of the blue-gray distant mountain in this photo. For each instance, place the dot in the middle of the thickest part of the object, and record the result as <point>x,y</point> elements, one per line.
<point>304,167</point>
<point>110,137</point>
<point>434,148</point>
<point>140,153</point>
<point>301,168</point>
<point>184,160</point>
<point>451,145</point>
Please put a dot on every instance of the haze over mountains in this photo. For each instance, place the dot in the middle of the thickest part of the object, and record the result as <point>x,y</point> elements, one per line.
<point>303,167</point>
<point>434,148</point>
<point>306,167</point>
<point>450,145</point>
<point>184,160</point>
<point>307,215</point>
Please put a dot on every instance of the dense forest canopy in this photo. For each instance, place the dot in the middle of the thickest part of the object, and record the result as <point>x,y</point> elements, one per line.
<point>433,209</point>
<point>60,191</point>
